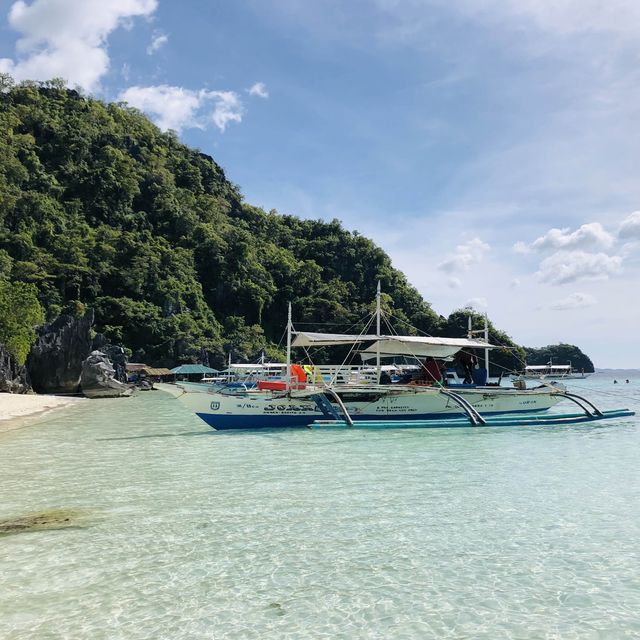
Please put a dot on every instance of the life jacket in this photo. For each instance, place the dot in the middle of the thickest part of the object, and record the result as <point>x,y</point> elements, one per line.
<point>297,372</point>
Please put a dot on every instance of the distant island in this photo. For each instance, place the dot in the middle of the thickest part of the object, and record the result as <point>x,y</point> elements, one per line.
<point>560,354</point>
<point>101,210</point>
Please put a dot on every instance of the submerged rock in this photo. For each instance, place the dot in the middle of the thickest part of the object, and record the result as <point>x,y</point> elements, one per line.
<point>52,519</point>
<point>98,378</point>
<point>55,361</point>
<point>13,378</point>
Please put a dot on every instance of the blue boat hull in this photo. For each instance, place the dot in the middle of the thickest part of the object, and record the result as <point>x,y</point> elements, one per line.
<point>243,422</point>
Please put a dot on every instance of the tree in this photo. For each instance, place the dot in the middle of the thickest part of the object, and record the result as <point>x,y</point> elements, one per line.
<point>20,312</point>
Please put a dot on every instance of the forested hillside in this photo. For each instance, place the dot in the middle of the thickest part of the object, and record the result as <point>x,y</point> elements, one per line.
<point>560,354</point>
<point>100,208</point>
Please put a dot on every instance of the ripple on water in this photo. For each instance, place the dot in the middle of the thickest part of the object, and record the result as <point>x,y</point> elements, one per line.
<point>399,534</point>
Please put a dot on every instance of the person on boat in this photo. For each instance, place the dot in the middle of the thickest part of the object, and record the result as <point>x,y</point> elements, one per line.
<point>466,361</point>
<point>443,372</point>
<point>431,373</point>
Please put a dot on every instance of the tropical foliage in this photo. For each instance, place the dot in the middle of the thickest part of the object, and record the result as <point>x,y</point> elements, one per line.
<point>560,354</point>
<point>100,208</point>
<point>20,311</point>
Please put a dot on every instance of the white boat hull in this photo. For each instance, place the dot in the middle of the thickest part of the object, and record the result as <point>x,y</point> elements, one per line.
<point>264,410</point>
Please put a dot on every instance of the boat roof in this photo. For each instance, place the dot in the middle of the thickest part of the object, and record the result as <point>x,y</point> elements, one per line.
<point>255,367</point>
<point>544,367</point>
<point>193,368</point>
<point>392,345</point>
<point>423,346</point>
<point>313,339</point>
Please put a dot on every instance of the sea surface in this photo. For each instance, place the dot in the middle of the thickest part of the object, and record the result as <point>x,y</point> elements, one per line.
<point>172,530</point>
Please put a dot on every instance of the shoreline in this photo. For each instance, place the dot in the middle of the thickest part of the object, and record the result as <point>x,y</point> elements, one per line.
<point>18,410</point>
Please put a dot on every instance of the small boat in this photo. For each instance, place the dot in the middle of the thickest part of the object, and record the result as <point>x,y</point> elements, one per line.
<point>551,371</point>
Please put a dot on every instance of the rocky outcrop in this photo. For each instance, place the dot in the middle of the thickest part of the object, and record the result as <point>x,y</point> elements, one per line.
<point>13,378</point>
<point>55,361</point>
<point>116,354</point>
<point>98,378</point>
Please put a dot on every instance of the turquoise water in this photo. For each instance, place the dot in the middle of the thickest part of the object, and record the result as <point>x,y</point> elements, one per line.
<point>188,533</point>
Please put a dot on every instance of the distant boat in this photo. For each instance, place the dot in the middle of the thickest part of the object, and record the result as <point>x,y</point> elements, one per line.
<point>551,371</point>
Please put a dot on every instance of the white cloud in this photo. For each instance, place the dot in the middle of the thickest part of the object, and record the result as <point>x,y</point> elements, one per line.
<point>575,16</point>
<point>228,108</point>
<point>521,247</point>
<point>630,227</point>
<point>178,108</point>
<point>465,256</point>
<point>574,301</point>
<point>157,42</point>
<point>68,38</point>
<point>477,303</point>
<point>514,284</point>
<point>588,235</point>
<point>259,89</point>
<point>170,107</point>
<point>571,266</point>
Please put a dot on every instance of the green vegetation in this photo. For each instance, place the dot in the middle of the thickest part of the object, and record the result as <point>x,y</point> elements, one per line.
<point>560,354</point>
<point>20,311</point>
<point>99,208</point>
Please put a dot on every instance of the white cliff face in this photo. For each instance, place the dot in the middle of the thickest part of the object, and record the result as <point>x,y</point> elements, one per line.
<point>98,378</point>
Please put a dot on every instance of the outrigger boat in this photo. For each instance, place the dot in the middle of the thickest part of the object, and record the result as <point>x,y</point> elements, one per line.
<point>551,371</point>
<point>305,399</point>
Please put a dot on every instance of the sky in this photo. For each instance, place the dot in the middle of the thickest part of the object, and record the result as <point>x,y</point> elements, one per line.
<point>490,147</point>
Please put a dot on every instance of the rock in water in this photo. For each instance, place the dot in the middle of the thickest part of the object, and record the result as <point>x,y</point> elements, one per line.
<point>13,379</point>
<point>98,378</point>
<point>55,361</point>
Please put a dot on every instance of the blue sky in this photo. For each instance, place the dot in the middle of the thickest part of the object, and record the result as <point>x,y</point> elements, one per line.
<point>489,146</point>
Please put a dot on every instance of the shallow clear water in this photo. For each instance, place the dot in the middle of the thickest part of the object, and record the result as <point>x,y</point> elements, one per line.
<point>188,533</point>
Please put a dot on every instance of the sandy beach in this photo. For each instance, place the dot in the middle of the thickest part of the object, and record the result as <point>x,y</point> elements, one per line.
<point>16,408</point>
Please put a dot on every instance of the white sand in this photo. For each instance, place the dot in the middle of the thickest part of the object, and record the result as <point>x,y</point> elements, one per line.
<point>14,407</point>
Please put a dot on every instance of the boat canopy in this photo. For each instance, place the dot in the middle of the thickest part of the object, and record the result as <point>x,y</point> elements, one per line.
<point>255,367</point>
<point>310,339</point>
<point>423,346</point>
<point>547,367</point>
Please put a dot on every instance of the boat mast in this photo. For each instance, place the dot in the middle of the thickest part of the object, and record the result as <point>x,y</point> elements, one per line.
<point>486,339</point>
<point>289,347</point>
<point>378,314</point>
